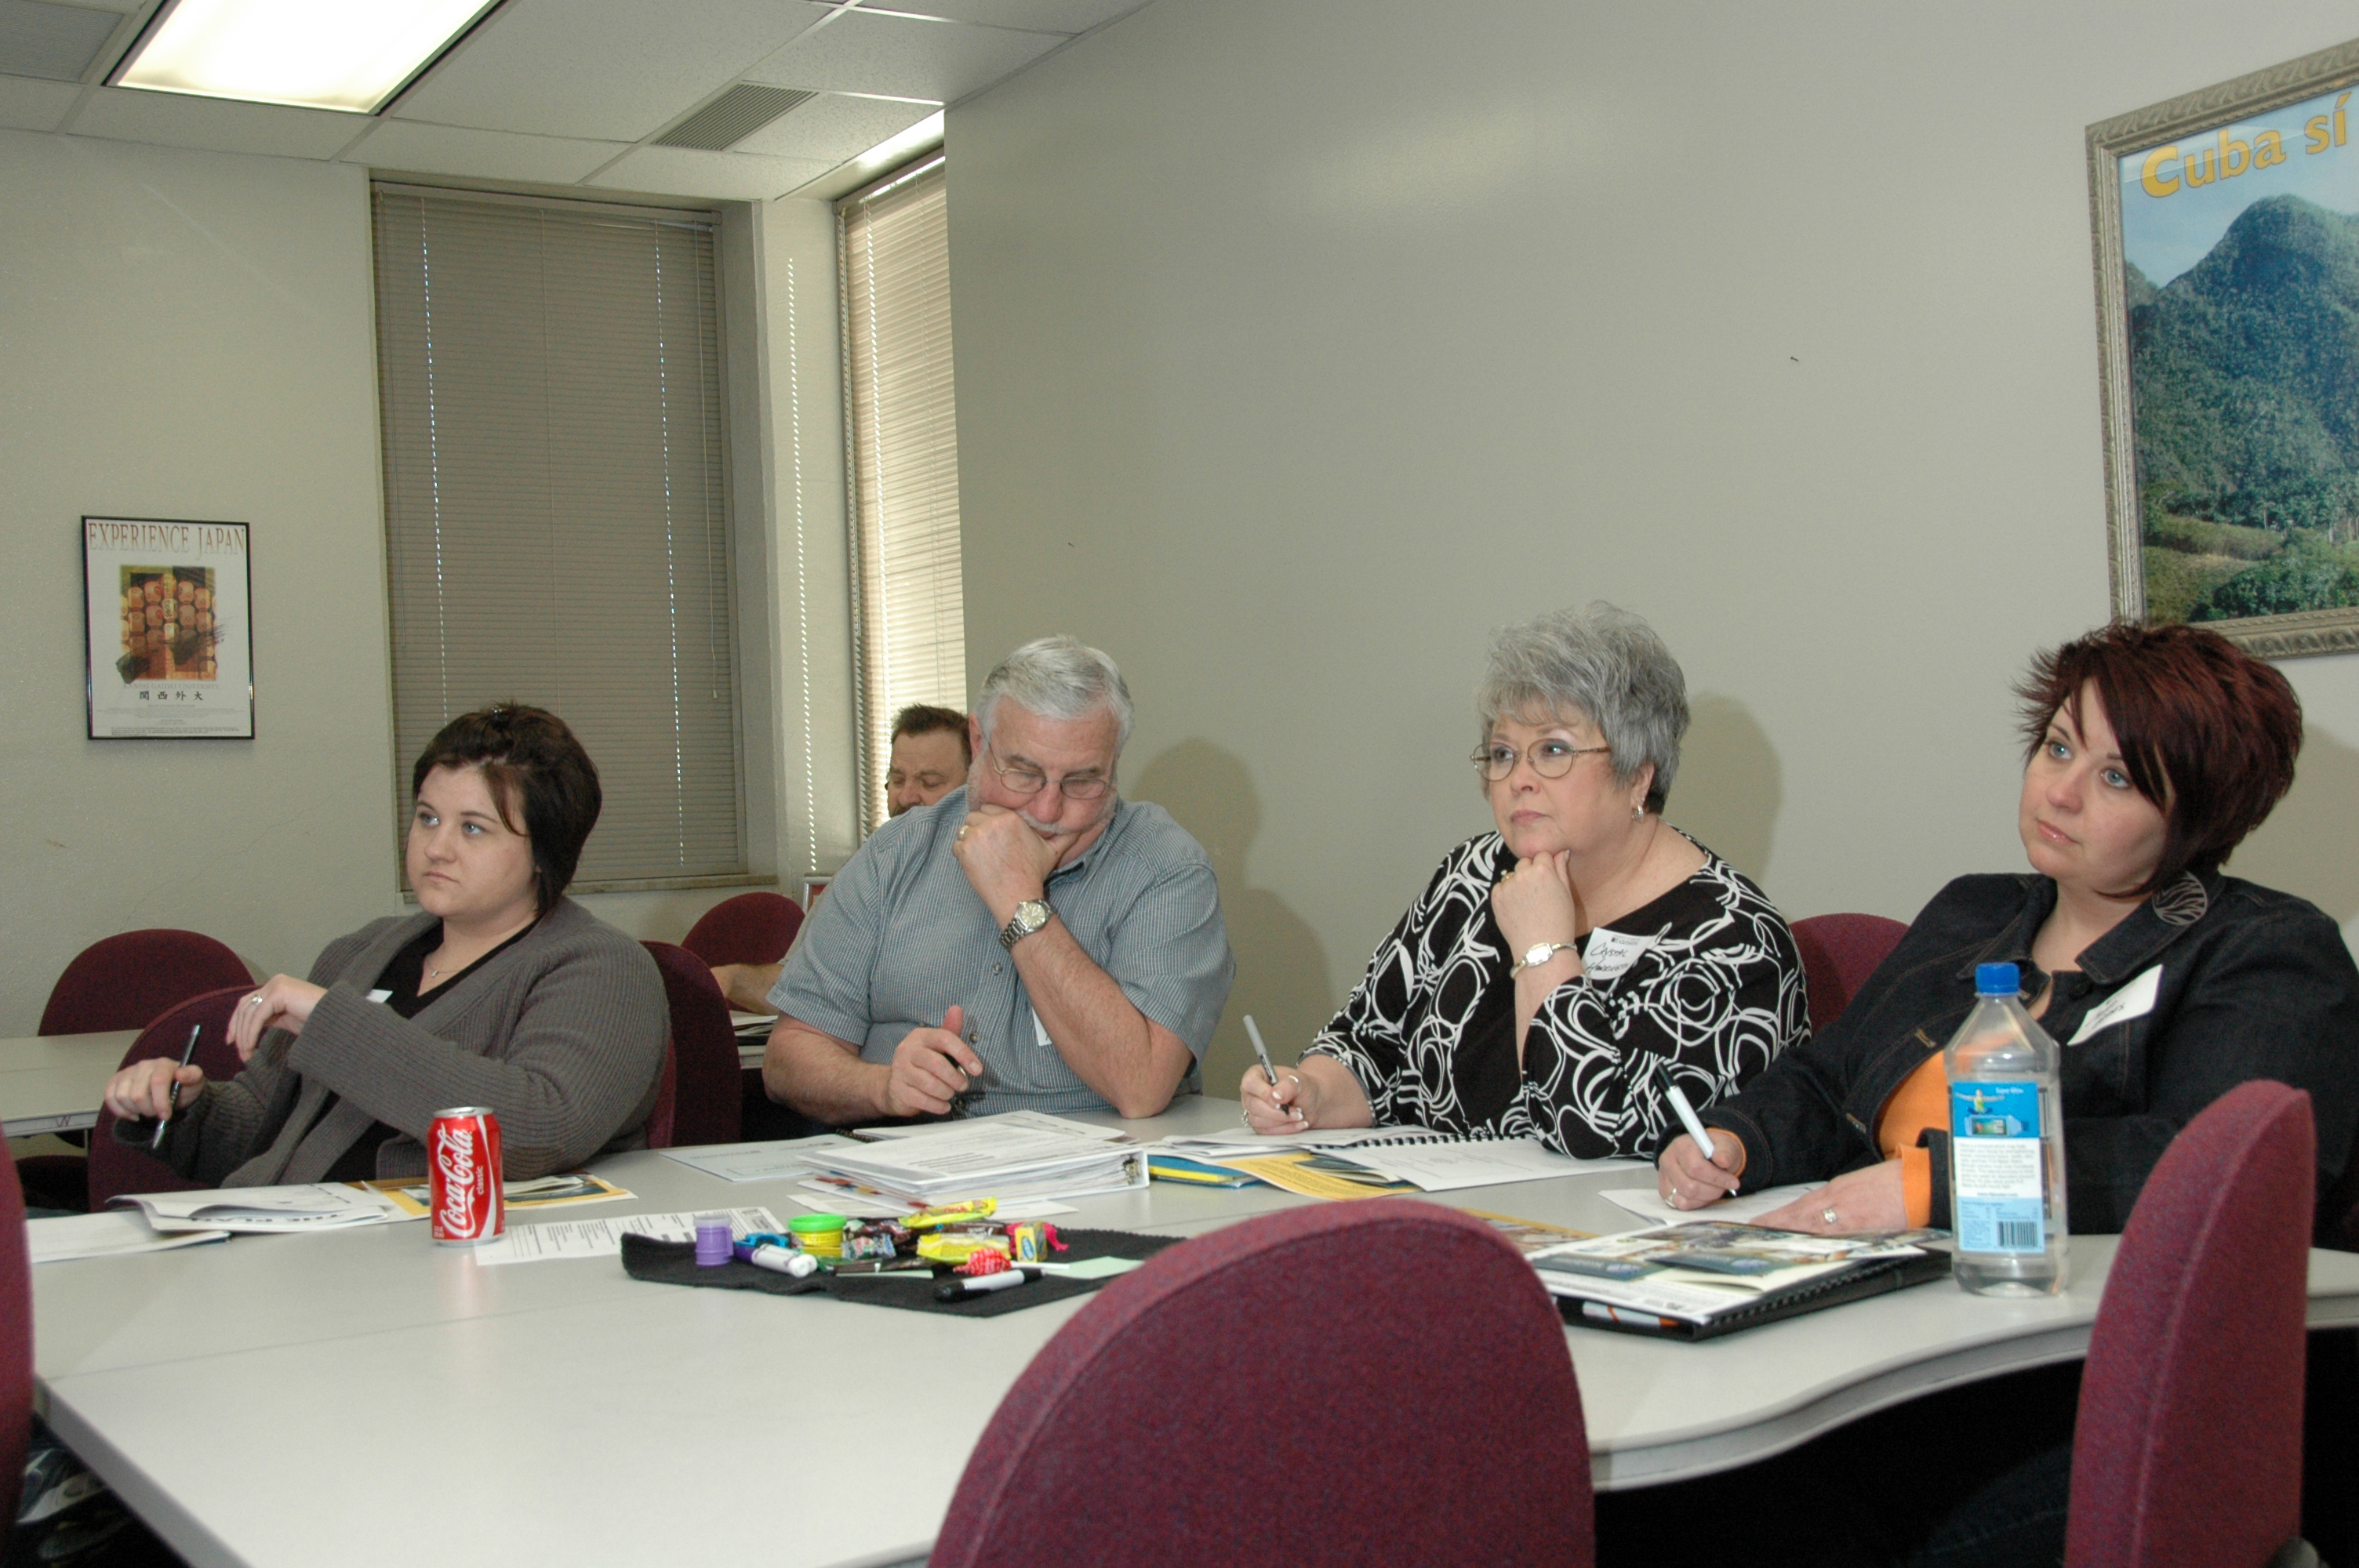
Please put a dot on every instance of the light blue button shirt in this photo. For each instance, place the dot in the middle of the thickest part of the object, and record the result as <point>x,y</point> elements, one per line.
<point>901,936</point>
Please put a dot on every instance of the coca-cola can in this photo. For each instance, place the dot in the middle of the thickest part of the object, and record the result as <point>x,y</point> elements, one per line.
<point>463,1149</point>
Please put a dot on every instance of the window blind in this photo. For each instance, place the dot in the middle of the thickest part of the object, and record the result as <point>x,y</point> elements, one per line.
<point>903,435</point>
<point>557,528</point>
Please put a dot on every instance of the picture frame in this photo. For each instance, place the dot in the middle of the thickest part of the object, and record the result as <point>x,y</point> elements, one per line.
<point>168,629</point>
<point>2232,479</point>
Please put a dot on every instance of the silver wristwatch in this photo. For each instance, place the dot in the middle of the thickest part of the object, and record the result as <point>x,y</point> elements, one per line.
<point>1539,953</point>
<point>1030,915</point>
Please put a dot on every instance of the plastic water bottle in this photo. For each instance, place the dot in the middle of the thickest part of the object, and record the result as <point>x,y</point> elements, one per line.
<point>2007,1145</point>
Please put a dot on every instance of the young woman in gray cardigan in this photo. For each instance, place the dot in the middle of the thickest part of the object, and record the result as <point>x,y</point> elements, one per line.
<point>500,992</point>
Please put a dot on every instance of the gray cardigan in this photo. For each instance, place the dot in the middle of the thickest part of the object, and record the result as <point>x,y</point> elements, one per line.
<point>561,1034</point>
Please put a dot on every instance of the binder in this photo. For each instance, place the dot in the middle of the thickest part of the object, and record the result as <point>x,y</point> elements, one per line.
<point>1681,1282</point>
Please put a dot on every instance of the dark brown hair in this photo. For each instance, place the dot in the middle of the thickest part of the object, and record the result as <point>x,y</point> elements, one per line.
<point>2207,734</point>
<point>917,718</point>
<point>528,756</point>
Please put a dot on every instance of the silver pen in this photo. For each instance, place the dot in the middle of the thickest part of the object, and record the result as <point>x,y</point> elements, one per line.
<point>1261,1051</point>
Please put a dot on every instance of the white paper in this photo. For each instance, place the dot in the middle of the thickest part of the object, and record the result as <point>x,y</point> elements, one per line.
<point>1610,953</point>
<point>1014,1121</point>
<point>2135,1000</point>
<point>556,1239</point>
<point>876,1206</point>
<point>1648,1205</point>
<point>111,1233</point>
<point>1480,1162</point>
<point>1233,1142</point>
<point>314,1206</point>
<point>773,1159</point>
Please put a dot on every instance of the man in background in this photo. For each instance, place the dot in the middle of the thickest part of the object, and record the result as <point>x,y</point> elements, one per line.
<point>931,757</point>
<point>1034,942</point>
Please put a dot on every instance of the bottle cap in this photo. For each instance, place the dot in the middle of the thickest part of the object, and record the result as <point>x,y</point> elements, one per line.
<point>711,1241</point>
<point>1997,979</point>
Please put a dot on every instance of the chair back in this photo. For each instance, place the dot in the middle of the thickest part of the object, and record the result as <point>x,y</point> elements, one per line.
<point>663,1120</point>
<point>711,1093</point>
<point>15,1340</point>
<point>1376,1382</point>
<point>123,981</point>
<point>2187,1447</point>
<point>1839,952</point>
<point>752,928</point>
<point>119,1168</point>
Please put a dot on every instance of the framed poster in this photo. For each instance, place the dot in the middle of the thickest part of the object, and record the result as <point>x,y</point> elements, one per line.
<point>2227,256</point>
<point>168,628</point>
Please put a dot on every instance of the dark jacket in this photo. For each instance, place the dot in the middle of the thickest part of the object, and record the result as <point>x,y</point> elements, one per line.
<point>2255,984</point>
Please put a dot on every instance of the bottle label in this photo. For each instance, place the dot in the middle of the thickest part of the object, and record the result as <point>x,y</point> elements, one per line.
<point>1998,1168</point>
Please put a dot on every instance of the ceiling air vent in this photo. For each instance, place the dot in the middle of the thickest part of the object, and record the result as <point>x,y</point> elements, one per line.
<point>731,117</point>
<point>58,42</point>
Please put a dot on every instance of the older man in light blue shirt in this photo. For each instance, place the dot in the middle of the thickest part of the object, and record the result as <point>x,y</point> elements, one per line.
<point>1032,942</point>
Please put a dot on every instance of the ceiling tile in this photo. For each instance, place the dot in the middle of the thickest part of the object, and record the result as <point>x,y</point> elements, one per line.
<point>605,69</point>
<point>216,125</point>
<point>684,171</point>
<point>34,105</point>
<point>479,154</point>
<point>833,127</point>
<point>1038,16</point>
<point>54,42</point>
<point>906,57</point>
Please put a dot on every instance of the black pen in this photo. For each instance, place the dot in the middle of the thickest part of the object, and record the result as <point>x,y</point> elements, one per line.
<point>172,1103</point>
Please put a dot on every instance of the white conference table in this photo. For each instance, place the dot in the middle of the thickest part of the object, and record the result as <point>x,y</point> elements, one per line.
<point>363,1397</point>
<point>52,1082</point>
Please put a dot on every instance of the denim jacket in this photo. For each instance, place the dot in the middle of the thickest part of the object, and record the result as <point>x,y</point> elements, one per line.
<point>2255,984</point>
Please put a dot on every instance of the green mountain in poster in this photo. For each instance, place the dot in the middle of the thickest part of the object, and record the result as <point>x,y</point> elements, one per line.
<point>2245,374</point>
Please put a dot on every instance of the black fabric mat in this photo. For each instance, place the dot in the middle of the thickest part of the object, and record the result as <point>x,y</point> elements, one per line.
<point>674,1263</point>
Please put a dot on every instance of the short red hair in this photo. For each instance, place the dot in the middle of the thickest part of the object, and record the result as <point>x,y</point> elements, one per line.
<point>2208,732</point>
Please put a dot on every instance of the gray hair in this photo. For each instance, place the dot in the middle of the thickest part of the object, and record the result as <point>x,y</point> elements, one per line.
<point>1057,677</point>
<point>1605,664</point>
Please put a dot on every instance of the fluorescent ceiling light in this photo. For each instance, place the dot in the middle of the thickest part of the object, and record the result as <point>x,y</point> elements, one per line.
<point>350,55</point>
<point>901,144</point>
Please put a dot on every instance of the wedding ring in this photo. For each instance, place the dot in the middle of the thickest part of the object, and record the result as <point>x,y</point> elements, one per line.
<point>1827,1215</point>
<point>254,1000</point>
<point>961,832</point>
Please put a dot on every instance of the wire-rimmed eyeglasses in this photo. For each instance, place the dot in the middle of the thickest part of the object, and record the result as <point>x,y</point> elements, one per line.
<point>1028,781</point>
<point>1552,759</point>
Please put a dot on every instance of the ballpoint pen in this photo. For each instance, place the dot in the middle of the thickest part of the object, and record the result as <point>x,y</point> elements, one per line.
<point>1694,1124</point>
<point>172,1101</point>
<point>1260,1050</point>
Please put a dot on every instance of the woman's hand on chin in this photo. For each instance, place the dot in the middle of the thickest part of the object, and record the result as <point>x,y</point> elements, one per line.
<point>1536,902</point>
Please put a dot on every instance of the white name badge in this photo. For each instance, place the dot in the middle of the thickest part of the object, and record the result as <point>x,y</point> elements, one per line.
<point>2135,1000</point>
<point>1611,952</point>
<point>1041,1032</point>
<point>380,995</point>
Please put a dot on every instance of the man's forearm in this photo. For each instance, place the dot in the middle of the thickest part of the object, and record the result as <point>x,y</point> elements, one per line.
<point>747,986</point>
<point>823,1077</point>
<point>1133,1063</point>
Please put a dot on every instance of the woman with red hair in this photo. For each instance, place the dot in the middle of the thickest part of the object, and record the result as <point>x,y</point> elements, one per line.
<point>2151,751</point>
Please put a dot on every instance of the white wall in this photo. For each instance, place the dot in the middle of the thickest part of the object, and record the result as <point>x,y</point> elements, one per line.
<point>190,335</point>
<point>1301,345</point>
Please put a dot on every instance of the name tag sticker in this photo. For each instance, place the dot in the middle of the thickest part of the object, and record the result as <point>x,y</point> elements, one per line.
<point>2135,1000</point>
<point>380,995</point>
<point>1611,952</point>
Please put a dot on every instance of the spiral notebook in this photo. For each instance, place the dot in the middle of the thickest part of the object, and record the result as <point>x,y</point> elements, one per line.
<point>1432,1161</point>
<point>1704,1279</point>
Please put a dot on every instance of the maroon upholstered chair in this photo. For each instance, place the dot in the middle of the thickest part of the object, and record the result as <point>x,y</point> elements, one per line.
<point>119,1168</point>
<point>1839,952</point>
<point>664,1119</point>
<point>752,928</point>
<point>16,1341</point>
<point>2187,1447</point>
<point>1375,1382</point>
<point>124,981</point>
<point>711,1096</point>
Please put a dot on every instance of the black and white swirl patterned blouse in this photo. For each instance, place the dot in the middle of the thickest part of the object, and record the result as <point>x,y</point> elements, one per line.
<point>1708,988</point>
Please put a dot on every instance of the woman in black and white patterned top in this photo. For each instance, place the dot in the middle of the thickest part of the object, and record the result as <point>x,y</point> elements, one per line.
<point>1556,975</point>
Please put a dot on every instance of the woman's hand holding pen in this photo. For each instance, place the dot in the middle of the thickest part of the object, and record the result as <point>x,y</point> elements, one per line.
<point>1290,1104</point>
<point>1688,1178</point>
<point>283,1002</point>
<point>142,1091</point>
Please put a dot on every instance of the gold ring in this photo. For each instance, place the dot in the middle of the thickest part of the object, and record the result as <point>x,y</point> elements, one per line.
<point>961,832</point>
